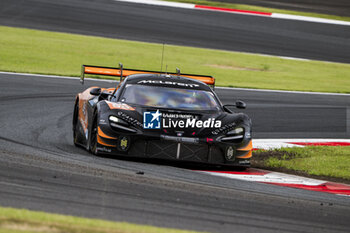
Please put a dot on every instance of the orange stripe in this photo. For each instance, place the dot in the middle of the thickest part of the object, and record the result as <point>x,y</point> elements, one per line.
<point>101,71</point>
<point>247,156</point>
<point>99,140</point>
<point>247,147</point>
<point>114,72</point>
<point>207,80</point>
<point>126,72</point>
<point>102,134</point>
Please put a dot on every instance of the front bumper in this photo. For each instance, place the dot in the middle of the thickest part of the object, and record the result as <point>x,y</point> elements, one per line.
<point>176,148</point>
<point>191,152</point>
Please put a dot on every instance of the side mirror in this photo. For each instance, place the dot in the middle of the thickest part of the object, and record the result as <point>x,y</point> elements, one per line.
<point>95,91</point>
<point>240,104</point>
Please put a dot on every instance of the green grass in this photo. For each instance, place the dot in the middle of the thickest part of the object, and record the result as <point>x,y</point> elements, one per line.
<point>34,51</point>
<point>325,161</point>
<point>19,220</point>
<point>262,9</point>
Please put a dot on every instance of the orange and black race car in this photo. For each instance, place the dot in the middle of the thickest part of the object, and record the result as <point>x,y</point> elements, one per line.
<point>168,116</point>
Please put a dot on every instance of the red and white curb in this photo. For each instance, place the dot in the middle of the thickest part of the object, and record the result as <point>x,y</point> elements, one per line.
<point>236,11</point>
<point>268,144</point>
<point>286,180</point>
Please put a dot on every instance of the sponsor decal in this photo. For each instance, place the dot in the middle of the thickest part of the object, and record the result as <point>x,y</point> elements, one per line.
<point>191,123</point>
<point>102,122</point>
<point>230,153</point>
<point>123,144</point>
<point>168,83</point>
<point>129,119</point>
<point>223,129</point>
<point>104,149</point>
<point>179,139</point>
<point>178,115</point>
<point>244,162</point>
<point>156,120</point>
<point>151,120</point>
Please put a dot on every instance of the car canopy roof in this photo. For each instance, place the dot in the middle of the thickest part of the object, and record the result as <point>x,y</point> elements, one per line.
<point>164,80</point>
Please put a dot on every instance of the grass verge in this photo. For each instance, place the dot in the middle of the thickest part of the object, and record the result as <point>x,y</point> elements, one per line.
<point>261,9</point>
<point>34,51</point>
<point>331,163</point>
<point>20,220</point>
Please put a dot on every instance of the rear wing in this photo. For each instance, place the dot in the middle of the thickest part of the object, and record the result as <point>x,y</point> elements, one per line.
<point>122,72</point>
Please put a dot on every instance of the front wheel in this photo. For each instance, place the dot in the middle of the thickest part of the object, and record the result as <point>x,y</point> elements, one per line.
<point>93,138</point>
<point>75,123</point>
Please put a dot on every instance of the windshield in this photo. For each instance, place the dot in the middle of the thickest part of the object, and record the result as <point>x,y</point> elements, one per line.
<point>164,97</point>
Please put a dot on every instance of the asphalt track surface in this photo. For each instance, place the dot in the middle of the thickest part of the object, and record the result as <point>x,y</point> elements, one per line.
<point>41,169</point>
<point>188,27</point>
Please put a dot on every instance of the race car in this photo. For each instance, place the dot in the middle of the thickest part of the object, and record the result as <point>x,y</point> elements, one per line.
<point>169,116</point>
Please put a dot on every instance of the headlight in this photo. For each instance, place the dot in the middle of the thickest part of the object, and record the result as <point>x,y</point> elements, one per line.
<point>236,131</point>
<point>116,120</point>
<point>119,124</point>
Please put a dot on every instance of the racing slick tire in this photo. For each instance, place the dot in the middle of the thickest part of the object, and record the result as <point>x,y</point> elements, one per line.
<point>93,136</point>
<point>75,123</point>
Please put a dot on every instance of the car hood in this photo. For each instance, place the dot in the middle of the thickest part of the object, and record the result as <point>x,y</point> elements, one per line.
<point>185,123</point>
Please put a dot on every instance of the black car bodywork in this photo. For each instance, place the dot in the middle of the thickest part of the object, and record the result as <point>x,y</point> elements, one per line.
<point>106,122</point>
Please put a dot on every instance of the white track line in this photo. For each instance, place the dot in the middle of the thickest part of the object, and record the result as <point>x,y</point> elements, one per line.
<point>161,3</point>
<point>56,76</point>
<point>309,19</point>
